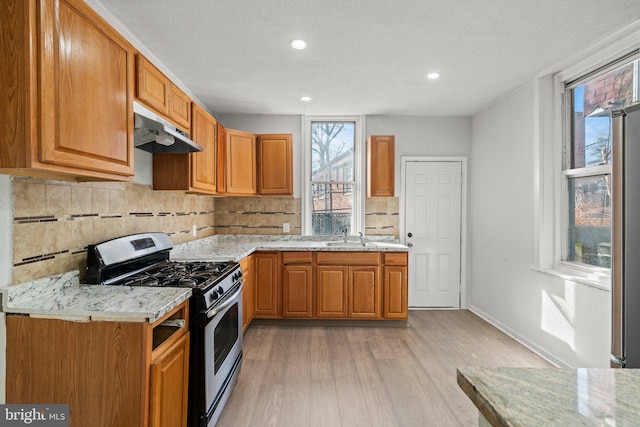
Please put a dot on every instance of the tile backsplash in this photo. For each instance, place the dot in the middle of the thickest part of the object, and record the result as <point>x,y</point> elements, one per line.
<point>54,221</point>
<point>258,215</point>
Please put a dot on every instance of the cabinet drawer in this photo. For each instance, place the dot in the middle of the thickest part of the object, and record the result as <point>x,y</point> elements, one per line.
<point>395,258</point>
<point>170,328</point>
<point>348,258</point>
<point>296,257</point>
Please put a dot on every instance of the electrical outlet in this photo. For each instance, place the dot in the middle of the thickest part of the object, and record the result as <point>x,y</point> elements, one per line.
<point>194,230</point>
<point>285,227</point>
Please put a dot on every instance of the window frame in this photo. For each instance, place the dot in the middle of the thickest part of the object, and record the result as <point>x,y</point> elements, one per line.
<point>358,171</point>
<point>550,179</point>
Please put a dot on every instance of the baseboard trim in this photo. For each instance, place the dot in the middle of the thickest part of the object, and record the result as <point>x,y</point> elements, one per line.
<point>519,338</point>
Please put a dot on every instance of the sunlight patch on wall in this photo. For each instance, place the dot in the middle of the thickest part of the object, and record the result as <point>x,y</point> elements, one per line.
<point>558,314</point>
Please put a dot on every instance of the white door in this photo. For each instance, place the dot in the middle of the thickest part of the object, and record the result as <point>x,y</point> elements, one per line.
<point>433,203</point>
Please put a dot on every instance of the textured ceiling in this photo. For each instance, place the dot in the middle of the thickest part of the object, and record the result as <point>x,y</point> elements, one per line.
<point>363,56</point>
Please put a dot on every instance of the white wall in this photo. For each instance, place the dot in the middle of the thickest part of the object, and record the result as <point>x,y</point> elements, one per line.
<point>566,321</point>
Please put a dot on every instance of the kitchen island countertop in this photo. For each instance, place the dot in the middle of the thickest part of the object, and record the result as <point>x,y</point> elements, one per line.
<point>235,248</point>
<point>62,296</point>
<point>553,396</point>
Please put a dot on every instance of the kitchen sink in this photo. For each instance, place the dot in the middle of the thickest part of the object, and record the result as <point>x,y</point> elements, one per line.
<point>344,244</point>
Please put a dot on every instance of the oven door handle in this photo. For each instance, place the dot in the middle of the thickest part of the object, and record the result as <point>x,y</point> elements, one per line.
<point>224,305</point>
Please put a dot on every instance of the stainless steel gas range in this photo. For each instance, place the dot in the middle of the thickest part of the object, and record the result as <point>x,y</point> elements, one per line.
<point>216,310</point>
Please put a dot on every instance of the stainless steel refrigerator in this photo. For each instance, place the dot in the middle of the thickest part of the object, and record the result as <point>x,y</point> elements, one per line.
<point>625,326</point>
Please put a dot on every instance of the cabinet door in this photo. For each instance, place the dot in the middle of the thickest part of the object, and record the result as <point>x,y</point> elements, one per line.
<point>297,291</point>
<point>248,290</point>
<point>275,165</point>
<point>179,108</point>
<point>331,292</point>
<point>203,164</point>
<point>380,166</point>
<point>395,292</point>
<point>266,288</point>
<point>86,90</point>
<point>364,292</point>
<point>221,142</point>
<point>169,386</point>
<point>240,163</point>
<point>152,86</point>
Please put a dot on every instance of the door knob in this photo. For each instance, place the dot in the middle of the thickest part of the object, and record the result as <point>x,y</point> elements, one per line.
<point>410,235</point>
<point>410,244</point>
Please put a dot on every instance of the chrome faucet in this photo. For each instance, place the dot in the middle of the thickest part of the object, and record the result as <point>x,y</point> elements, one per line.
<point>344,234</point>
<point>361,238</point>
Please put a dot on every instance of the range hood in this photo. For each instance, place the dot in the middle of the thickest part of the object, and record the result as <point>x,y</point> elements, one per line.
<point>154,134</point>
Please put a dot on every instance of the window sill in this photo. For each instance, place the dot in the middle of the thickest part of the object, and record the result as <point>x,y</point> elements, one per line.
<point>589,278</point>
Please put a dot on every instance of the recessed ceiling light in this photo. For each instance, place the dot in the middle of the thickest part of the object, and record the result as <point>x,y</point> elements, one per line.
<point>305,98</point>
<point>433,76</point>
<point>298,44</point>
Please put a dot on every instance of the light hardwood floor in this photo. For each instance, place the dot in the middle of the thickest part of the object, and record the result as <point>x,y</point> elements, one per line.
<point>355,376</point>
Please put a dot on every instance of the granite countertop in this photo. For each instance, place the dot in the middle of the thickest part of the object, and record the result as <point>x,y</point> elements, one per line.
<point>553,396</point>
<point>62,296</point>
<point>234,248</point>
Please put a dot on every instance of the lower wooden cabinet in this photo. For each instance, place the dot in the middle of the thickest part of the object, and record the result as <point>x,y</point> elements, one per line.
<point>331,292</point>
<point>348,292</point>
<point>364,293</point>
<point>267,265</point>
<point>395,292</point>
<point>125,374</point>
<point>297,291</point>
<point>395,285</point>
<point>327,285</point>
<point>170,386</point>
<point>248,291</point>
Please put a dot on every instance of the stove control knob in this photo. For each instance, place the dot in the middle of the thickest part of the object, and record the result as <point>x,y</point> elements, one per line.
<point>219,290</point>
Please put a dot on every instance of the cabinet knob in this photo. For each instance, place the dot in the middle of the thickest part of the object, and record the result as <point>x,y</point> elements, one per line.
<point>409,234</point>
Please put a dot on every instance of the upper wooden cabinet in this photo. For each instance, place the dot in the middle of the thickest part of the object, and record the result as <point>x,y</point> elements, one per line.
<point>204,164</point>
<point>180,107</point>
<point>221,179</point>
<point>66,103</point>
<point>157,92</point>
<point>275,175</point>
<point>258,164</point>
<point>380,166</point>
<point>191,172</point>
<point>240,163</point>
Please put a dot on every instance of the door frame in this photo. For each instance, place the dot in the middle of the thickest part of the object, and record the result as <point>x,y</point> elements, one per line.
<point>463,214</point>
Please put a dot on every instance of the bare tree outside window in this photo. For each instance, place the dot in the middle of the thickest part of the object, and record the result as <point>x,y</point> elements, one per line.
<point>332,161</point>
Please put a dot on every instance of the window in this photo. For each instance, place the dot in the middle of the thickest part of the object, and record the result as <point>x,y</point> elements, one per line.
<point>587,171</point>
<point>332,194</point>
<point>571,159</point>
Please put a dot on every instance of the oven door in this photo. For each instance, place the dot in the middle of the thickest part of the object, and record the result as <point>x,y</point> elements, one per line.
<point>223,353</point>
